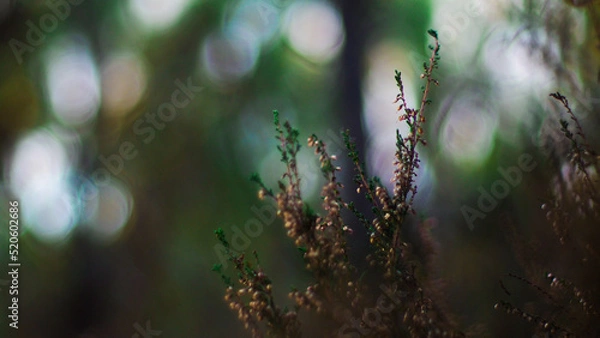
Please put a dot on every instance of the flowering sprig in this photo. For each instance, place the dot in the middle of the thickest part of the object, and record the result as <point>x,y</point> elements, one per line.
<point>582,155</point>
<point>252,296</point>
<point>407,158</point>
<point>569,298</point>
<point>390,210</point>
<point>391,253</point>
<point>337,290</point>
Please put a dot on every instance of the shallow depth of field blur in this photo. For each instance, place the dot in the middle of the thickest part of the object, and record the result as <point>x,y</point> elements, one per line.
<point>129,129</point>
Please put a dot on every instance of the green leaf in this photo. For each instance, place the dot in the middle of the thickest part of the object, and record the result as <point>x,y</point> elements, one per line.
<point>221,237</point>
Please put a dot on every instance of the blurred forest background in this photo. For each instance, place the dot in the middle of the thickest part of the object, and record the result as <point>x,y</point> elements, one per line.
<point>129,129</point>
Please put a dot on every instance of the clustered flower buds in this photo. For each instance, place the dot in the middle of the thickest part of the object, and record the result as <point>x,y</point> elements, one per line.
<point>569,303</point>
<point>337,291</point>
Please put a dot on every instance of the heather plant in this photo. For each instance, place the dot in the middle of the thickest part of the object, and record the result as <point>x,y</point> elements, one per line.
<point>567,275</point>
<point>338,293</point>
<point>560,262</point>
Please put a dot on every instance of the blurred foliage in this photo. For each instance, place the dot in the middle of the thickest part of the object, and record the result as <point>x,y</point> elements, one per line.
<point>502,59</point>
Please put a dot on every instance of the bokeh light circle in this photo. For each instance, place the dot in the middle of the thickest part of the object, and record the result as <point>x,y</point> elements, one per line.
<point>38,175</point>
<point>108,210</point>
<point>314,30</point>
<point>228,56</point>
<point>157,14</point>
<point>468,132</point>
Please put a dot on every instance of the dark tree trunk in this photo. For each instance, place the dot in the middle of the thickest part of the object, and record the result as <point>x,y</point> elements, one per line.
<point>350,108</point>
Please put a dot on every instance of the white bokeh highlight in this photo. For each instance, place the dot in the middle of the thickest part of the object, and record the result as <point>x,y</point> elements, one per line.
<point>228,56</point>
<point>260,18</point>
<point>156,15</point>
<point>73,84</point>
<point>315,30</point>
<point>38,176</point>
<point>468,132</point>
